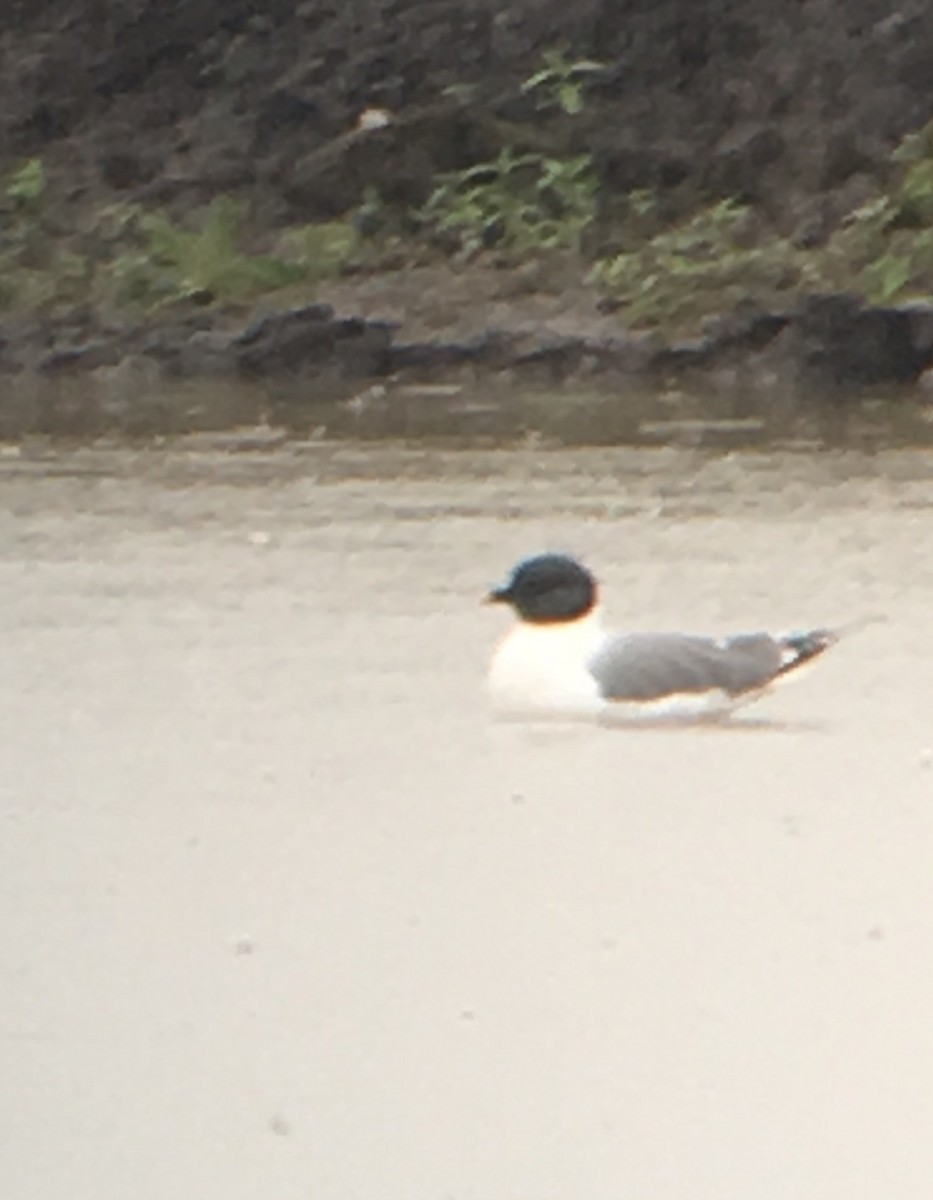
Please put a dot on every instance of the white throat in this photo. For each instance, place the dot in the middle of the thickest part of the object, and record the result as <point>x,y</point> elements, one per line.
<point>539,667</point>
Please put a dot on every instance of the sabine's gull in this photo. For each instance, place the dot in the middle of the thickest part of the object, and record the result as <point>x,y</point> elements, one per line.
<point>559,658</point>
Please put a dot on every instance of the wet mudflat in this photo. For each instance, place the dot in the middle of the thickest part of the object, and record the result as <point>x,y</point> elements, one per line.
<point>285,916</point>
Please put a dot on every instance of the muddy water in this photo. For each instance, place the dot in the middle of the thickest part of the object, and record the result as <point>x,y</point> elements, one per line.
<point>284,916</point>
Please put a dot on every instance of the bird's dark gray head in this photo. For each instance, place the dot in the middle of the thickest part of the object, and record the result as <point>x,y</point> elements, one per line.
<point>547,589</point>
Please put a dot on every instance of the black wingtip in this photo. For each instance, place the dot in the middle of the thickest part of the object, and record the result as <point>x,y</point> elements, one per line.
<point>800,648</point>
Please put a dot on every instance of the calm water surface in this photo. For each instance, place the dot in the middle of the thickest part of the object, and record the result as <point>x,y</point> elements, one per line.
<point>285,916</point>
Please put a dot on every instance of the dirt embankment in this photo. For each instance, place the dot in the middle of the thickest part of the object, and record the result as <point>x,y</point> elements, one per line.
<point>788,106</point>
<point>793,109</point>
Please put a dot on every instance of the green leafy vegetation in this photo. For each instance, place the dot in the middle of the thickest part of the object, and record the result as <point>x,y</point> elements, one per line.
<point>129,257</point>
<point>25,186</point>
<point>523,204</point>
<point>321,251</point>
<point>519,203</point>
<point>675,274</point>
<point>884,249</point>
<point>561,80</point>
<point>172,263</point>
<point>708,261</point>
<point>663,271</point>
<point>36,265</point>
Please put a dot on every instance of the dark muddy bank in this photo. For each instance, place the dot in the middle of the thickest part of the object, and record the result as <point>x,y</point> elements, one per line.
<point>829,351</point>
<point>794,112</point>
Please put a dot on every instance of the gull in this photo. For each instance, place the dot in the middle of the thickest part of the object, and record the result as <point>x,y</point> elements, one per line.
<point>560,659</point>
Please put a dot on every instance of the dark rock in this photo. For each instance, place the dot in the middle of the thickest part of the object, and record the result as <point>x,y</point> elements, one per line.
<point>431,356</point>
<point>830,344</point>
<point>557,356</point>
<point>834,344</point>
<point>268,323</point>
<point>919,315</point>
<point>206,353</point>
<point>312,338</point>
<point>494,349</point>
<point>748,327</point>
<point>836,341</point>
<point>86,357</point>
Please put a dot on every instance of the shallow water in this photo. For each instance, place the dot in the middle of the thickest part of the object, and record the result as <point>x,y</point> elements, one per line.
<point>707,411</point>
<point>286,916</point>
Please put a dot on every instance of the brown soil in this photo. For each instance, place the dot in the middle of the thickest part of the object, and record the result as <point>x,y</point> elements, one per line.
<point>464,301</point>
<point>792,107</point>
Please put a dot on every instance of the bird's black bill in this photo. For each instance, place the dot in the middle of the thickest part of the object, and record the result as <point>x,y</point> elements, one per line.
<point>500,595</point>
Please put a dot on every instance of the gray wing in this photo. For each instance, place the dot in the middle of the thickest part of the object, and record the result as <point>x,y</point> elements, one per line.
<point>650,666</point>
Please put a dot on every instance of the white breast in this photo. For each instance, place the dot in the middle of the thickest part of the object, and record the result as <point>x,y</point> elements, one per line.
<point>544,668</point>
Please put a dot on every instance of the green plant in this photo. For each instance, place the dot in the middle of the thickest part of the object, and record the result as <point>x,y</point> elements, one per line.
<point>884,249</point>
<point>208,260</point>
<point>122,254</point>
<point>859,245</point>
<point>172,263</point>
<point>323,251</point>
<point>704,263</point>
<point>562,80</point>
<point>25,186</point>
<point>519,202</point>
<point>912,193</point>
